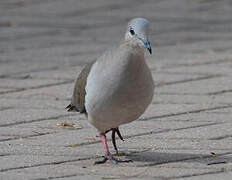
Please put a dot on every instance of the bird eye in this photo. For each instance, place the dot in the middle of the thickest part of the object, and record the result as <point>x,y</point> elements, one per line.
<point>132,32</point>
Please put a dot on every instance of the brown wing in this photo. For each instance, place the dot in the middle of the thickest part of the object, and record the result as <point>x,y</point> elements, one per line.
<point>78,98</point>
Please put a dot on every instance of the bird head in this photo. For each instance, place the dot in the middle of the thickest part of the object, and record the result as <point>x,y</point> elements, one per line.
<point>137,31</point>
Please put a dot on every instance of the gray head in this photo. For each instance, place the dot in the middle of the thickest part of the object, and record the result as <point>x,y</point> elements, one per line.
<point>137,29</point>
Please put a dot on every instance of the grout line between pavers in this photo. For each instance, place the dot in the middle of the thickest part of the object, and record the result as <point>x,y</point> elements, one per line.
<point>44,164</point>
<point>184,159</point>
<point>222,170</point>
<point>189,80</point>
<point>185,112</point>
<point>220,92</point>
<point>31,71</point>
<point>34,120</point>
<point>37,87</point>
<point>219,61</point>
<point>27,136</point>
<point>147,133</point>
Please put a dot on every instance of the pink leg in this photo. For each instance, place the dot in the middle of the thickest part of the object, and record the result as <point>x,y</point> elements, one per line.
<point>108,155</point>
<point>104,142</point>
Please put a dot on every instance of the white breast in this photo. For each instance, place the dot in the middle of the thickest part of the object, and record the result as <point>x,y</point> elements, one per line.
<point>119,89</point>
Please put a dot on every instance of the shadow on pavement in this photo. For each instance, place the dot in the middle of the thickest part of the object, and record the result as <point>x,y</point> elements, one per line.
<point>156,158</point>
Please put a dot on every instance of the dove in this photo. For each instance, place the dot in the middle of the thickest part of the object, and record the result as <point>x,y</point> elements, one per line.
<point>117,87</point>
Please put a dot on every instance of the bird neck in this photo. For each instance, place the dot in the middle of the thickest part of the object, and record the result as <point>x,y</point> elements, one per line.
<point>135,46</point>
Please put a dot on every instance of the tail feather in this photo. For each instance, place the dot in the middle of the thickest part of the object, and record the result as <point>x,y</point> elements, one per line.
<point>71,108</point>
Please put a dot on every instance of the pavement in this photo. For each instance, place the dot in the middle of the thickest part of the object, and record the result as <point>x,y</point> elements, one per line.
<point>186,133</point>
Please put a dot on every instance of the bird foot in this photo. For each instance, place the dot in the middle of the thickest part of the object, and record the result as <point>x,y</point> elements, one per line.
<point>112,159</point>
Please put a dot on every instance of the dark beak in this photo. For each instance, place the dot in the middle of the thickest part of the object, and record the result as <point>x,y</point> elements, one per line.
<point>147,45</point>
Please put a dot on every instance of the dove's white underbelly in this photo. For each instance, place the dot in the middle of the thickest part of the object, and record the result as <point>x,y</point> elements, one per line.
<point>116,96</point>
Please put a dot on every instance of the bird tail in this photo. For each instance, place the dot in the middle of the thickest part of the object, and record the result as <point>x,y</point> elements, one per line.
<point>71,108</point>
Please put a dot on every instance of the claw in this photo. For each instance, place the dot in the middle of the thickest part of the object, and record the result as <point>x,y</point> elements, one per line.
<point>112,159</point>
<point>108,155</point>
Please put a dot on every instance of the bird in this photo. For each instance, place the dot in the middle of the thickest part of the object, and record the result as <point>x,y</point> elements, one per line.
<point>117,87</point>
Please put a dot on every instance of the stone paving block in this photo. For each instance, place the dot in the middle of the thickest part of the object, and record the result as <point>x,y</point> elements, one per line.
<point>18,68</point>
<point>166,79</point>
<point>19,132</point>
<point>80,168</point>
<point>61,91</point>
<point>209,116</point>
<point>221,99</point>
<point>54,54</point>
<point>16,161</point>
<point>14,32</point>
<point>221,175</point>
<point>209,132</point>
<point>62,137</point>
<point>53,8</point>
<point>19,116</point>
<point>5,89</point>
<point>5,137</point>
<point>166,109</point>
<point>36,101</point>
<point>128,172</point>
<point>27,83</point>
<point>221,66</point>
<point>21,148</point>
<point>67,136</point>
<point>170,145</point>
<point>39,176</point>
<point>209,85</point>
<point>64,73</point>
<point>226,111</point>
